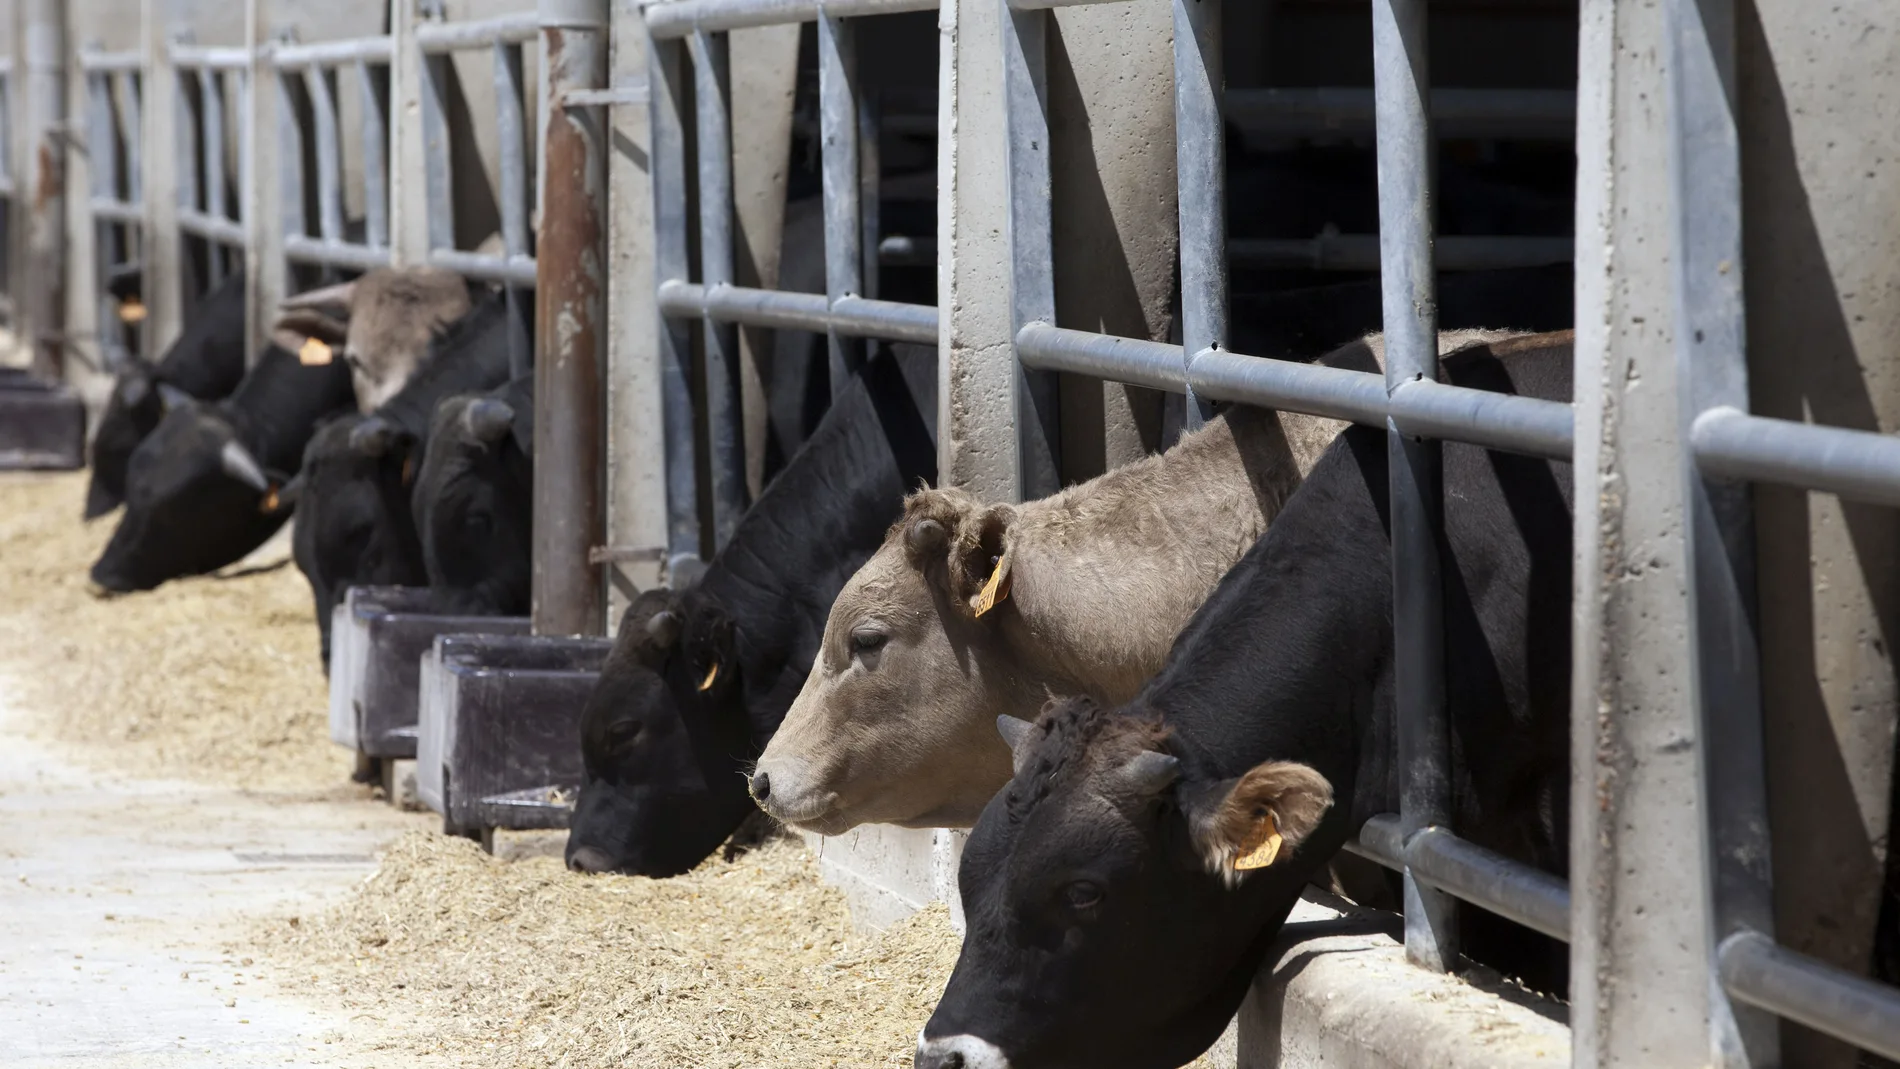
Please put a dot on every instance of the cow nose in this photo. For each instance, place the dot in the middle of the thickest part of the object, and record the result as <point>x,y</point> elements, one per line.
<point>589,859</point>
<point>958,1052</point>
<point>761,786</point>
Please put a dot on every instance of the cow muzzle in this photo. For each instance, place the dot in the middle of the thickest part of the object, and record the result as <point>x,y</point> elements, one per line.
<point>785,790</point>
<point>958,1052</point>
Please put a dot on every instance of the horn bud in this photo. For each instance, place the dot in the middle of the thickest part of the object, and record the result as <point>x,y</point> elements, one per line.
<point>664,628</point>
<point>925,537</point>
<point>239,464</point>
<point>487,419</point>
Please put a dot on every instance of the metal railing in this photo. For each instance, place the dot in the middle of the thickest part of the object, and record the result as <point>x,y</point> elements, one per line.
<point>318,66</point>
<point>514,267</point>
<point>9,197</point>
<point>114,121</point>
<point>845,314</point>
<point>206,208</point>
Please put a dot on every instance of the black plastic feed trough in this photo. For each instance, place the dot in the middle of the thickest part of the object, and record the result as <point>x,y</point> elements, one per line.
<point>499,729</point>
<point>378,638</point>
<point>42,425</point>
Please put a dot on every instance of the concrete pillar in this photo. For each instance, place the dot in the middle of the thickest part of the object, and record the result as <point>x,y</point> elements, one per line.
<point>1640,967</point>
<point>42,184</point>
<point>1822,233</point>
<point>408,194</point>
<point>163,283</point>
<point>269,138</point>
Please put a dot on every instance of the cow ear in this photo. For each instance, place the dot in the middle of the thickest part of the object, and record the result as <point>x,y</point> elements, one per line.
<point>1259,818</point>
<point>310,334</point>
<point>1020,735</point>
<point>983,560</point>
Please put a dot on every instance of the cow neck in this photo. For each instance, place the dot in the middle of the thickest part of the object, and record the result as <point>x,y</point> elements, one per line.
<point>276,408</point>
<point>468,356</point>
<point>207,359</point>
<point>817,524</point>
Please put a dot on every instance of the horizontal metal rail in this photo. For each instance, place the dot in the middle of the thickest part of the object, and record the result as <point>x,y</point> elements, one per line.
<point>683,17</point>
<point>307,249</point>
<point>1862,465</point>
<point>1360,252</point>
<point>113,210</point>
<point>332,53</point>
<point>1863,1012</point>
<point>1480,417</point>
<point>220,59</point>
<point>514,270</point>
<point>434,37</point>
<point>1510,889</point>
<point>1515,113</point>
<point>212,227</point>
<point>618,96</point>
<point>855,316</point>
<point>94,62</point>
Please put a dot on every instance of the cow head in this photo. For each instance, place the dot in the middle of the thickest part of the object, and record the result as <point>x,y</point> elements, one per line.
<point>661,738</point>
<point>1115,898</point>
<point>392,314</point>
<point>913,666</point>
<point>354,526</point>
<point>133,409</point>
<point>196,500</point>
<point>473,507</point>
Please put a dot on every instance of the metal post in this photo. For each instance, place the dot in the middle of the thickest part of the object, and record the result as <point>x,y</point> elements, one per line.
<point>43,307</point>
<point>666,93</point>
<point>408,186</point>
<point>273,186</point>
<point>211,162</point>
<point>317,87</point>
<point>843,182</point>
<point>1712,365</point>
<point>570,325</point>
<point>375,156</point>
<point>1400,82</point>
<point>160,246</point>
<point>434,71</point>
<point>1031,248</point>
<point>870,172</point>
<point>102,146</point>
<point>512,139</point>
<point>1200,157</point>
<point>726,452</point>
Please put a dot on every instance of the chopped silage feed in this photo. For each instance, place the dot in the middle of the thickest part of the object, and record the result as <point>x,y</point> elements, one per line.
<point>751,963</point>
<point>212,679</point>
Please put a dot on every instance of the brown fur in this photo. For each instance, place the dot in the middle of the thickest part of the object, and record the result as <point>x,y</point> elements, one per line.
<point>1297,796</point>
<point>393,313</point>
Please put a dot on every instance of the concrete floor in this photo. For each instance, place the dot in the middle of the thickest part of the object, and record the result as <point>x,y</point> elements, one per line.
<point>123,903</point>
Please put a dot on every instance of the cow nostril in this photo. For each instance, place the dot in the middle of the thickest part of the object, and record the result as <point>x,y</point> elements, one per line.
<point>761,787</point>
<point>590,859</point>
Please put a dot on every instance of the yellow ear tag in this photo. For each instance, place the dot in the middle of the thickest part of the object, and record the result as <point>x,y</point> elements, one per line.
<point>994,591</point>
<point>269,504</point>
<point>1261,850</point>
<point>711,674</point>
<point>314,353</point>
<point>131,310</point>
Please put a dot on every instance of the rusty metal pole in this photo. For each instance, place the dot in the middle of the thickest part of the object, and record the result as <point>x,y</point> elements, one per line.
<point>571,325</point>
<point>43,299</point>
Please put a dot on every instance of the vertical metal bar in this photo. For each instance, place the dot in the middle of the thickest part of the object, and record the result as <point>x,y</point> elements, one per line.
<point>571,326</point>
<point>132,120</point>
<point>1200,156</point>
<point>408,186</point>
<point>211,162</point>
<point>438,183</point>
<point>666,105</point>
<point>102,146</point>
<point>1712,366</point>
<point>44,185</point>
<point>838,135</point>
<point>1031,252</point>
<point>870,167</point>
<point>375,157</point>
<point>513,150</point>
<point>189,132</point>
<point>290,161</point>
<point>316,85</point>
<point>271,153</point>
<point>159,242</point>
<point>712,101</point>
<point>1401,81</point>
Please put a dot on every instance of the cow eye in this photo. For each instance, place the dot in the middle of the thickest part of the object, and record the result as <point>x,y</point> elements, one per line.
<point>1083,894</point>
<point>868,640</point>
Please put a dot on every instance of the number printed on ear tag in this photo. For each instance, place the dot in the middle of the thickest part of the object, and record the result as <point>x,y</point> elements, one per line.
<point>1261,851</point>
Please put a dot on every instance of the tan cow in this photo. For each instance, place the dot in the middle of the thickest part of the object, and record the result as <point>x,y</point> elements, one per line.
<point>970,611</point>
<point>391,315</point>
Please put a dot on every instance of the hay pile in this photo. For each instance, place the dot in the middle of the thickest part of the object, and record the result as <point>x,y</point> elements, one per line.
<point>211,679</point>
<point>749,964</point>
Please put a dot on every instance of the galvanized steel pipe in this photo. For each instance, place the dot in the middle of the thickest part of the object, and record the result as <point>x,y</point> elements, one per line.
<point>41,279</point>
<point>571,327</point>
<point>1864,1013</point>
<point>683,17</point>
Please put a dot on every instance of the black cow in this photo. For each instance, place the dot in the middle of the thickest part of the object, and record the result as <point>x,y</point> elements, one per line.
<point>474,502</point>
<point>355,523</point>
<point>1122,890</point>
<point>201,489</point>
<point>206,362</point>
<point>699,680</point>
